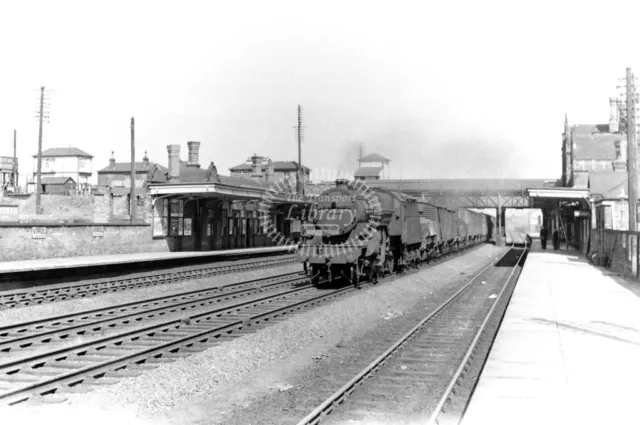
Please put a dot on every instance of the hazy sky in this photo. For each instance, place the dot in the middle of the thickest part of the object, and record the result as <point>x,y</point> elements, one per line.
<point>443,89</point>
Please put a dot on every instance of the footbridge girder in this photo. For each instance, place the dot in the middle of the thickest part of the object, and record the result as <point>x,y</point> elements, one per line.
<point>469,193</point>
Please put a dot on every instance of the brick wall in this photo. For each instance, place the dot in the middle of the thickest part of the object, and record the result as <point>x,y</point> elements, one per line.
<point>88,209</point>
<point>17,242</point>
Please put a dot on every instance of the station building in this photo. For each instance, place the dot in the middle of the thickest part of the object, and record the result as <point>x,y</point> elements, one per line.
<point>196,209</point>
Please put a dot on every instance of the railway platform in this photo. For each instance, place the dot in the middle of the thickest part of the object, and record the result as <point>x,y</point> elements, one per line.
<point>105,260</point>
<point>568,350</point>
<point>19,274</point>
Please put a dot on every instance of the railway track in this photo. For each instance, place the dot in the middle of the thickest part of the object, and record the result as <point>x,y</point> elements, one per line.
<point>50,330</point>
<point>97,360</point>
<point>436,363</point>
<point>129,353</point>
<point>61,292</point>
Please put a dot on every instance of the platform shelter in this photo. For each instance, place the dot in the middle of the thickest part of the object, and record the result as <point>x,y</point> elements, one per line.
<point>197,209</point>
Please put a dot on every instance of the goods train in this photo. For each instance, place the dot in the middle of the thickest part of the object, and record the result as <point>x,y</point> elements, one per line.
<point>354,231</point>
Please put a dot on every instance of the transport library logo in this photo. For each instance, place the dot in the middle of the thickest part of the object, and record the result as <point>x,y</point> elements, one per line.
<point>311,213</point>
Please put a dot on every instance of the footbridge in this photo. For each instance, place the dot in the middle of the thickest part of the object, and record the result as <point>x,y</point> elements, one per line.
<point>470,193</point>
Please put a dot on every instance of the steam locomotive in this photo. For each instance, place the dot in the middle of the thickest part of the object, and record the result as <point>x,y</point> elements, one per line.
<point>354,231</point>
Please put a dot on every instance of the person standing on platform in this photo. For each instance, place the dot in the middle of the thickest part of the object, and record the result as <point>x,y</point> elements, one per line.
<point>556,240</point>
<point>543,237</point>
<point>371,255</point>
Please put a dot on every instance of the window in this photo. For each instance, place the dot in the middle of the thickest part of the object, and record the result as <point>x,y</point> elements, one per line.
<point>618,152</point>
<point>176,217</point>
<point>160,217</point>
<point>257,228</point>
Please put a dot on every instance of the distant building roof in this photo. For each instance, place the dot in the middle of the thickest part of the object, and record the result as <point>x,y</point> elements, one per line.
<point>55,180</point>
<point>64,152</point>
<point>125,167</point>
<point>367,172</point>
<point>374,157</point>
<point>278,166</point>
<point>210,174</point>
<point>590,128</point>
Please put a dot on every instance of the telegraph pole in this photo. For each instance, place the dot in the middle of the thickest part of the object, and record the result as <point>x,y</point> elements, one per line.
<point>299,136</point>
<point>38,177</point>
<point>133,171</point>
<point>15,165</point>
<point>632,149</point>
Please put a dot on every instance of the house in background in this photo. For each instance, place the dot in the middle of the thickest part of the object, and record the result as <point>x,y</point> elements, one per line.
<point>64,162</point>
<point>262,168</point>
<point>118,174</point>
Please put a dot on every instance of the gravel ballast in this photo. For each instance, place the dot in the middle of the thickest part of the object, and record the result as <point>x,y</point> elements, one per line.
<point>207,387</point>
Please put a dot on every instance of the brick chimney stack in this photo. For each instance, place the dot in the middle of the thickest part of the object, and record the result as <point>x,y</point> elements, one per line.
<point>256,163</point>
<point>269,174</point>
<point>614,120</point>
<point>112,161</point>
<point>174,163</point>
<point>194,149</point>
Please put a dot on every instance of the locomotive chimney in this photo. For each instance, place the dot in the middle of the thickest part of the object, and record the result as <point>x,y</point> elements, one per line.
<point>112,161</point>
<point>174,163</point>
<point>341,183</point>
<point>194,148</point>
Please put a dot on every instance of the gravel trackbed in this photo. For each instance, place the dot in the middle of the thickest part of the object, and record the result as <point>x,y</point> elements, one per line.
<point>225,384</point>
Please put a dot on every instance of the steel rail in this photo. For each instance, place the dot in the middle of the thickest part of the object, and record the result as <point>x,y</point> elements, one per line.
<point>472,347</point>
<point>36,358</point>
<point>325,407</point>
<point>39,295</point>
<point>80,327</point>
<point>5,330</point>
<point>46,386</point>
<point>133,337</point>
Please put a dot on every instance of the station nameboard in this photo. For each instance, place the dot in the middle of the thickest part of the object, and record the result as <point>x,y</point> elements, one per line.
<point>8,212</point>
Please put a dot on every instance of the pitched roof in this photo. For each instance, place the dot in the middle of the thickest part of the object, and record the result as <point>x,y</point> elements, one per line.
<point>278,166</point>
<point>373,157</point>
<point>367,172</point>
<point>590,128</point>
<point>55,180</point>
<point>243,182</point>
<point>199,175</point>
<point>125,167</point>
<point>64,152</point>
<point>595,146</point>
